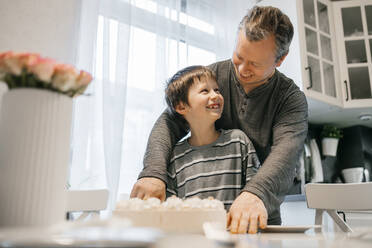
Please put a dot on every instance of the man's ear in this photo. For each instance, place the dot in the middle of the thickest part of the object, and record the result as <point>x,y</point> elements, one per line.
<point>181,108</point>
<point>280,61</point>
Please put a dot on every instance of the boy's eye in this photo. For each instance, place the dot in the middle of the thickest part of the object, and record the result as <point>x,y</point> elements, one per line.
<point>217,90</point>
<point>255,64</point>
<point>204,91</point>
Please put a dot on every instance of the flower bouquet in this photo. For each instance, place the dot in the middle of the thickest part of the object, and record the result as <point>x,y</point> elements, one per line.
<point>30,70</point>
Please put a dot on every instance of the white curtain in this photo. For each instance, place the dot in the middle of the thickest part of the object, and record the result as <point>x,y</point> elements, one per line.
<point>132,47</point>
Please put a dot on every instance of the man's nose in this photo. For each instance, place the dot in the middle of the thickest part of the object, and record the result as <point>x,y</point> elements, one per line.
<point>244,69</point>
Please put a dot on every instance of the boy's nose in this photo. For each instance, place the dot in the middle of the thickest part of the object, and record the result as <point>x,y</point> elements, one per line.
<point>214,94</point>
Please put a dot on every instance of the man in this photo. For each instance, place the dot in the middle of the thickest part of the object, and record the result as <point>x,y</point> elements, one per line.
<point>259,100</point>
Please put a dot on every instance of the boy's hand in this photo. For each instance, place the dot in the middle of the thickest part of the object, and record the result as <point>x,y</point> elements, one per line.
<point>147,187</point>
<point>247,211</point>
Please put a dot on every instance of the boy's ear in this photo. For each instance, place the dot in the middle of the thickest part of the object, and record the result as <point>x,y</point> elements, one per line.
<point>181,108</point>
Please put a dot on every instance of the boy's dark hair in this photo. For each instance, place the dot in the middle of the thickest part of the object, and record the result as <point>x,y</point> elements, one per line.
<point>260,22</point>
<point>177,88</point>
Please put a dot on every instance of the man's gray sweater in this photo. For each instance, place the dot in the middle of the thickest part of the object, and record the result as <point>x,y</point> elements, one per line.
<point>274,117</point>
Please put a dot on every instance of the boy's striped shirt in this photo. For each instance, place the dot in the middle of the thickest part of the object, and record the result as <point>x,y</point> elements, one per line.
<point>212,170</point>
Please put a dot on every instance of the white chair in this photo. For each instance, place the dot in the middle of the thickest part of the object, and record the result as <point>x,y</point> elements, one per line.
<point>87,201</point>
<point>330,197</point>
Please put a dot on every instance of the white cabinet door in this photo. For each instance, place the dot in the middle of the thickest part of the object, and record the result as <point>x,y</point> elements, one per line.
<point>354,41</point>
<point>319,56</point>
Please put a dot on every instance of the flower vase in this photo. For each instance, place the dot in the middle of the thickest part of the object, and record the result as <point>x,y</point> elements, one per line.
<point>34,156</point>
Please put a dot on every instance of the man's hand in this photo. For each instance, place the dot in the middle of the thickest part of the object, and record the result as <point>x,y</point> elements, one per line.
<point>247,211</point>
<point>147,187</point>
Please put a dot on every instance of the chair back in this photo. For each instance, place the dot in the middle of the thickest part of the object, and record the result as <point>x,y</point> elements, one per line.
<point>330,197</point>
<point>339,196</point>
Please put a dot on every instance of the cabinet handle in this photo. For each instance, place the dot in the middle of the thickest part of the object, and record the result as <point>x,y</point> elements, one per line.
<point>343,215</point>
<point>310,77</point>
<point>347,91</point>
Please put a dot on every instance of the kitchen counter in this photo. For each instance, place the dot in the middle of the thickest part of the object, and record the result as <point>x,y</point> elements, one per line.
<point>303,240</point>
<point>266,240</point>
<point>131,237</point>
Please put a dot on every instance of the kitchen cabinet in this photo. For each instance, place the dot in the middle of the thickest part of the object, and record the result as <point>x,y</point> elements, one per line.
<point>313,57</point>
<point>354,44</point>
<point>315,44</point>
<point>318,51</point>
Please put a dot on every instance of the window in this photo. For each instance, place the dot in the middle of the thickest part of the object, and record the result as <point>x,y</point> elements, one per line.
<point>138,45</point>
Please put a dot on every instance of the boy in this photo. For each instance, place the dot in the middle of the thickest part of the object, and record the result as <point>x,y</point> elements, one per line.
<point>210,162</point>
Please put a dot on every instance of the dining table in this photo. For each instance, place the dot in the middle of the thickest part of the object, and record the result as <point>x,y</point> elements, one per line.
<point>104,234</point>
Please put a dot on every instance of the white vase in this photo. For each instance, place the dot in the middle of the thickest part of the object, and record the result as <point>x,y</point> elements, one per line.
<point>3,89</point>
<point>34,156</point>
<point>329,146</point>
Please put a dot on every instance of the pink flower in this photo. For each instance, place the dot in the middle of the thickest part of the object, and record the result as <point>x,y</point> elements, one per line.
<point>15,62</point>
<point>12,63</point>
<point>64,77</point>
<point>3,68</point>
<point>28,59</point>
<point>43,69</point>
<point>82,82</point>
<point>83,79</point>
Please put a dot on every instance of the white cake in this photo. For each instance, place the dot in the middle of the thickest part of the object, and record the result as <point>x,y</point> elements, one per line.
<point>173,215</point>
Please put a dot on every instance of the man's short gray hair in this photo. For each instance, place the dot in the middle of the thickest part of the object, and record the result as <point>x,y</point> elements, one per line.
<point>261,22</point>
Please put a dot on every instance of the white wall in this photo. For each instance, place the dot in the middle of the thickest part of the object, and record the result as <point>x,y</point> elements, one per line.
<point>48,27</point>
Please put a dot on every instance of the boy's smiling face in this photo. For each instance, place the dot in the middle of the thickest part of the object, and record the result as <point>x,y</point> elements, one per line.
<point>205,102</point>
